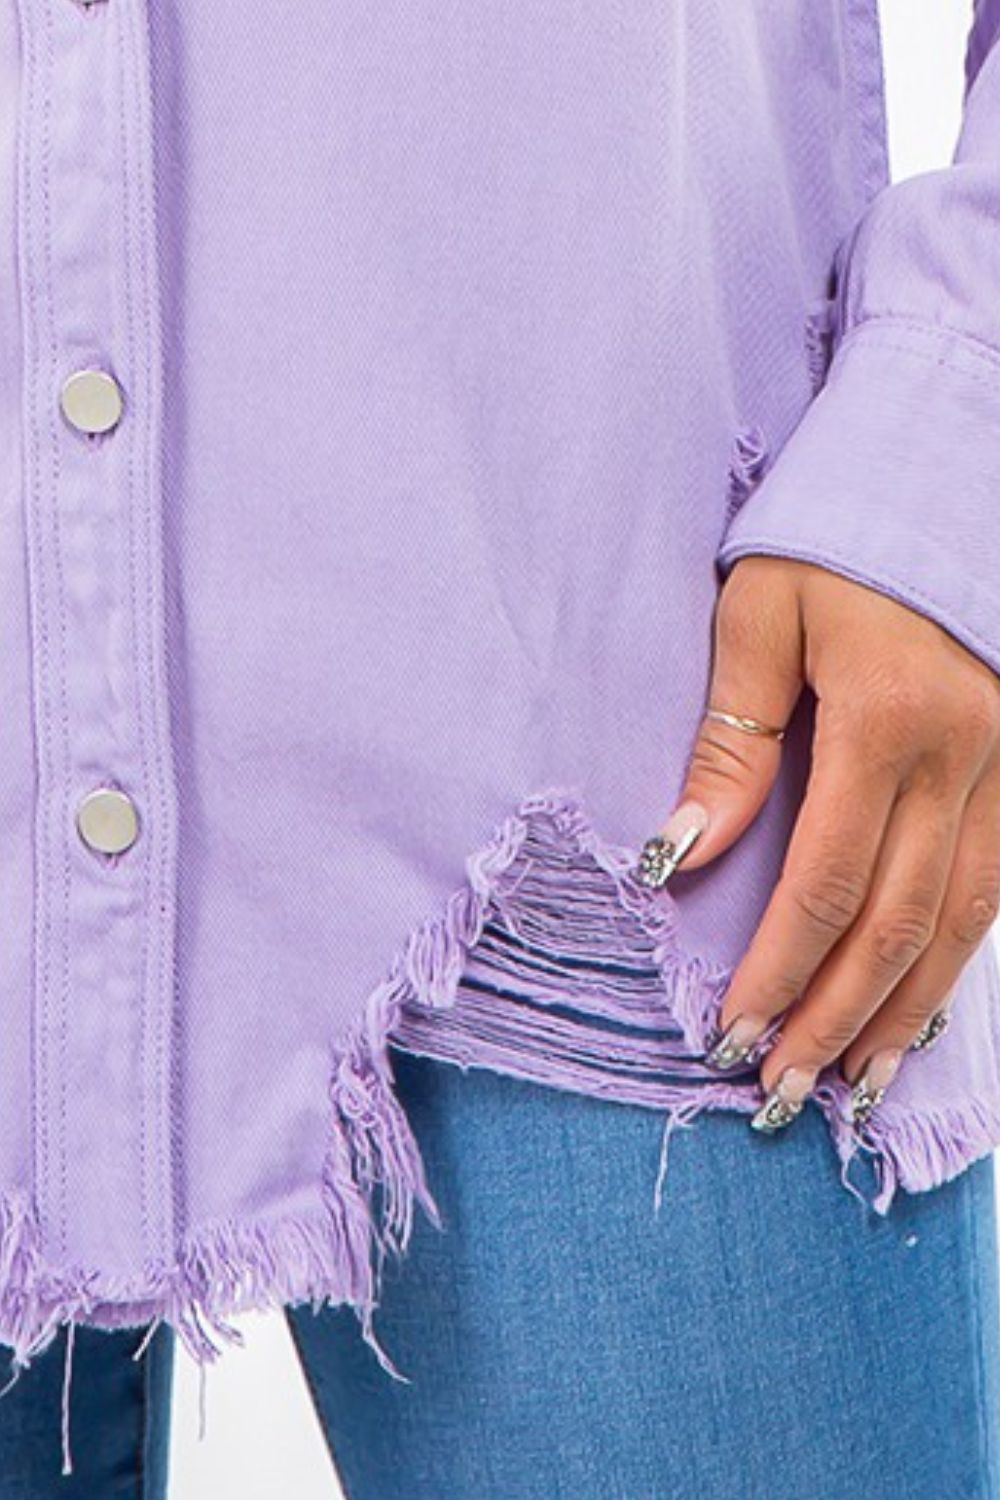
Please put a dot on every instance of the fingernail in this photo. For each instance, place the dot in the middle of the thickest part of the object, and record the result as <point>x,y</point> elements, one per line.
<point>871,1086</point>
<point>785,1100</point>
<point>662,853</point>
<point>931,1030</point>
<point>735,1043</point>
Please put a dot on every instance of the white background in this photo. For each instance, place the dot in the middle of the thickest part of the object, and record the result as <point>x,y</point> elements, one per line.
<point>261,1438</point>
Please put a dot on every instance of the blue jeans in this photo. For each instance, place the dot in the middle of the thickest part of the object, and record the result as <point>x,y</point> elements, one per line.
<point>765,1334</point>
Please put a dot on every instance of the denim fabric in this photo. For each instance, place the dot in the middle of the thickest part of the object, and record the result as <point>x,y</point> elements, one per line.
<point>765,1333</point>
<point>119,1419</point>
<point>457,351</point>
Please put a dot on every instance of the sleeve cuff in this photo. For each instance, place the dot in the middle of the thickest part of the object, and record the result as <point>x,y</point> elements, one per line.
<point>892,478</point>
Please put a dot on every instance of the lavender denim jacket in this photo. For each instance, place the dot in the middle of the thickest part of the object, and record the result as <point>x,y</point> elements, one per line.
<point>447,357</point>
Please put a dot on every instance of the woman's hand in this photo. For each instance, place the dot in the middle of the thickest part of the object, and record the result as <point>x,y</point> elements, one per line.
<point>892,874</point>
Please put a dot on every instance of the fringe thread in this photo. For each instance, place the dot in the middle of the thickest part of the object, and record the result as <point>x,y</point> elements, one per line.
<point>374,1176</point>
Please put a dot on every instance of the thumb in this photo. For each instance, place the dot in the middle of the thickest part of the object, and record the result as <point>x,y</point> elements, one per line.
<point>757,671</point>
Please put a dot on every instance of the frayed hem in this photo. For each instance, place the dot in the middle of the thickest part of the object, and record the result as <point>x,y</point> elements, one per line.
<point>332,1257</point>
<point>910,1149</point>
<point>508,922</point>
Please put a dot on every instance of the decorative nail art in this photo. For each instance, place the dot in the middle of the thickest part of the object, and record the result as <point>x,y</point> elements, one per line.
<point>662,853</point>
<point>736,1043</point>
<point>869,1090</point>
<point>784,1101</point>
<point>931,1030</point>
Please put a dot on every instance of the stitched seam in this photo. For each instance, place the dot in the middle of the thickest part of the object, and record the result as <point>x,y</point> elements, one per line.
<point>165,788</point>
<point>975,349</point>
<point>156,596</point>
<point>60,592</point>
<point>154,869</point>
<point>126,212</point>
<point>868,86</point>
<point>41,639</point>
<point>155,956</point>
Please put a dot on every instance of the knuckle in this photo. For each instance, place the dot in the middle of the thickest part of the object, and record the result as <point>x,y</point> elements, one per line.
<point>880,721</point>
<point>909,1018</point>
<point>980,711</point>
<point>896,709</point>
<point>900,934</point>
<point>829,897</point>
<point>974,916</point>
<point>972,724</point>
<point>825,1035</point>
<point>897,714</point>
<point>776,994</point>
<point>713,764</point>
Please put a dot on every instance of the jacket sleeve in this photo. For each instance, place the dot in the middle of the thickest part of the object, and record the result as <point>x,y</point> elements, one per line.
<point>892,474</point>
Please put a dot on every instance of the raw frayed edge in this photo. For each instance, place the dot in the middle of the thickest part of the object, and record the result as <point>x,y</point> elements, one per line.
<point>692,987</point>
<point>338,1256</point>
<point>820,331</point>
<point>373,1174</point>
<point>428,970</point>
<point>372,1177</point>
<point>916,1150</point>
<point>230,1267</point>
<point>334,1257</point>
<point>745,1097</point>
<point>913,1150</point>
<point>748,460</point>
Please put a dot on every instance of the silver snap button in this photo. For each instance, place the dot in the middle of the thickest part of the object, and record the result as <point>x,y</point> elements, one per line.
<point>91,400</point>
<point>107,821</point>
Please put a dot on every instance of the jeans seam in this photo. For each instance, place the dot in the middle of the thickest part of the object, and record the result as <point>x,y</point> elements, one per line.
<point>141,1468</point>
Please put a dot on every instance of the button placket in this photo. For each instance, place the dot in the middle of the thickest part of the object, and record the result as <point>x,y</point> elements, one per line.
<point>105,822</point>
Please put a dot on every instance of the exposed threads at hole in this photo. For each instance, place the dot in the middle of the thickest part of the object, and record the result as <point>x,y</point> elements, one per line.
<point>747,462</point>
<point>559,929</point>
<point>818,332</point>
<point>576,972</point>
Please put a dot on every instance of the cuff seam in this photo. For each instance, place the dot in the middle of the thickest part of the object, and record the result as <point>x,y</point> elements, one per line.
<point>879,326</point>
<point>774,546</point>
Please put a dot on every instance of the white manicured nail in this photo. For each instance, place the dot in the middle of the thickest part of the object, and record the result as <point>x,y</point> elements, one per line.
<point>736,1043</point>
<point>871,1086</point>
<point>662,853</point>
<point>785,1100</point>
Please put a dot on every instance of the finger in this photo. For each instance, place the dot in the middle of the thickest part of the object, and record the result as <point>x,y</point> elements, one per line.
<point>756,672</point>
<point>895,927</point>
<point>825,880</point>
<point>970,908</point>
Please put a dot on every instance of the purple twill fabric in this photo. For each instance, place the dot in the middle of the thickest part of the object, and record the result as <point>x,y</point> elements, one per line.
<point>462,349</point>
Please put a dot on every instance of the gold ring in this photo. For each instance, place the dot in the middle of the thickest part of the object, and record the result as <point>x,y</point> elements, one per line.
<point>744,722</point>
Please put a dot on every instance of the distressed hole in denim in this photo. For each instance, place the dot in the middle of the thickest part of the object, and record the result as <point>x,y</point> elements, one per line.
<point>577,977</point>
<point>747,462</point>
<point>818,334</point>
<point>572,974</point>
